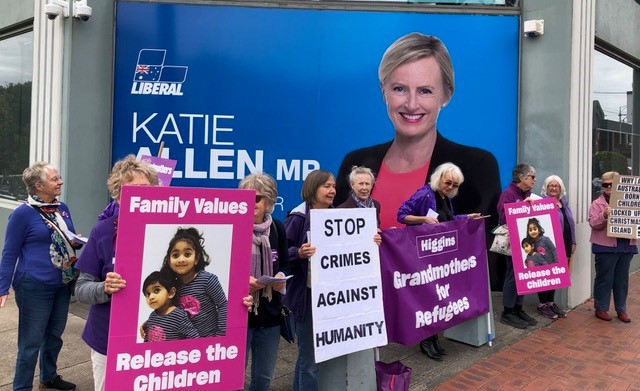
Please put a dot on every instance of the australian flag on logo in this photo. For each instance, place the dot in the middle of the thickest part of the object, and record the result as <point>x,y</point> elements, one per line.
<point>150,67</point>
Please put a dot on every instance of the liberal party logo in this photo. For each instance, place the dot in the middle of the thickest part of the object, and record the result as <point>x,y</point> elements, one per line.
<point>153,77</point>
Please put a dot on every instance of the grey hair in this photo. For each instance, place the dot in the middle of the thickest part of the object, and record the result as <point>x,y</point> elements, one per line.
<point>123,171</point>
<point>264,183</point>
<point>563,190</point>
<point>355,170</point>
<point>446,168</point>
<point>521,171</point>
<point>34,174</point>
<point>609,175</point>
<point>413,47</point>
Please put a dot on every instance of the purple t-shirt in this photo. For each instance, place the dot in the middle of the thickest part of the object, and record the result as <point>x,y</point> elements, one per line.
<point>97,259</point>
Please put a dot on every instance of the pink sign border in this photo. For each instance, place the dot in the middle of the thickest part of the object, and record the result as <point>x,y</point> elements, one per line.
<point>125,305</point>
<point>515,238</point>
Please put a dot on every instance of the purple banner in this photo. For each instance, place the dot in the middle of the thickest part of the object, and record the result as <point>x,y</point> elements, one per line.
<point>164,168</point>
<point>434,276</point>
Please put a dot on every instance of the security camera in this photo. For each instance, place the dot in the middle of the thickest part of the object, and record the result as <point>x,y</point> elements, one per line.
<point>52,11</point>
<point>81,10</point>
<point>533,28</point>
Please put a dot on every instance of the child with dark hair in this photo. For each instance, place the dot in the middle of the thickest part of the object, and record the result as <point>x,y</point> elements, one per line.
<point>198,292</point>
<point>167,322</point>
<point>533,258</point>
<point>543,244</point>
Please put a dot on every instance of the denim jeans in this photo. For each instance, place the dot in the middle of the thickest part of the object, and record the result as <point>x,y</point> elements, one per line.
<point>306,375</point>
<point>43,312</point>
<point>612,273</point>
<point>262,342</point>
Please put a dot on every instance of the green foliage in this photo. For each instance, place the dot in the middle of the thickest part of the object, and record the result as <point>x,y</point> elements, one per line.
<point>15,124</point>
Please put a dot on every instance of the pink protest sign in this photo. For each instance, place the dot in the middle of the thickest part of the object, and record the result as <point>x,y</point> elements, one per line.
<point>537,247</point>
<point>164,168</point>
<point>184,253</point>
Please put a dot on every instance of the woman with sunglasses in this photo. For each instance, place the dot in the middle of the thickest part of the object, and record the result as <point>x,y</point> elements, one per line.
<point>435,196</point>
<point>613,256</point>
<point>269,257</point>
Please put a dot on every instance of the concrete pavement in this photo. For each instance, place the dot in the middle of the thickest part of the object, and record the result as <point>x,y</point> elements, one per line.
<point>578,352</point>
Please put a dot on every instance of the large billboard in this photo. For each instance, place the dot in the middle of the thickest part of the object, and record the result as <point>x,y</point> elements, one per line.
<point>231,90</point>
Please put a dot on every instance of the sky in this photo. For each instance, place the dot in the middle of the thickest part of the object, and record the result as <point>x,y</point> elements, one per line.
<point>615,79</point>
<point>13,69</point>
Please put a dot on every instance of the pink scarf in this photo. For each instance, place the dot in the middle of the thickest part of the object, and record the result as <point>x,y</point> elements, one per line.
<point>261,262</point>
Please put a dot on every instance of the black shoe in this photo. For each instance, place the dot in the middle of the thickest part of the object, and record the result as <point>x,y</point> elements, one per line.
<point>426,347</point>
<point>513,320</point>
<point>523,315</point>
<point>436,344</point>
<point>57,384</point>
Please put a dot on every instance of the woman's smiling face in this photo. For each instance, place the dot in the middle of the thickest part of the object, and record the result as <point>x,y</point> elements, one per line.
<point>414,94</point>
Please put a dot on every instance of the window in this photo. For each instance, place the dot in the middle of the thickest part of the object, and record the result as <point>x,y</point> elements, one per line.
<point>615,144</point>
<point>16,63</point>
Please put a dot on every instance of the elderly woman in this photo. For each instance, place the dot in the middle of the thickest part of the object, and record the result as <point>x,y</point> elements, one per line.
<point>98,281</point>
<point>417,81</point>
<point>613,257</point>
<point>269,257</point>
<point>36,239</point>
<point>553,187</point>
<point>318,192</point>
<point>435,196</point>
<point>523,180</point>
<point>361,180</point>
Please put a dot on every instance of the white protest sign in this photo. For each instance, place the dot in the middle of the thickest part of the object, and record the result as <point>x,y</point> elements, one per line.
<point>346,287</point>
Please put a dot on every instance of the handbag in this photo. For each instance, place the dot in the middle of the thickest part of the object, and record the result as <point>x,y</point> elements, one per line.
<point>287,325</point>
<point>393,376</point>
<point>501,243</point>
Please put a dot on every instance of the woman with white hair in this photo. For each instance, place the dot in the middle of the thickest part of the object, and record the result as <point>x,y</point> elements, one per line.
<point>361,181</point>
<point>38,260</point>
<point>553,187</point>
<point>436,197</point>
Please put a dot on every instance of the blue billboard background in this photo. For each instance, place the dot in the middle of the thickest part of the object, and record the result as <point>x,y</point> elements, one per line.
<point>230,90</point>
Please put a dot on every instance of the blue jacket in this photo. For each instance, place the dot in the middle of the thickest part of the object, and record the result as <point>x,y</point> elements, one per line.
<point>26,243</point>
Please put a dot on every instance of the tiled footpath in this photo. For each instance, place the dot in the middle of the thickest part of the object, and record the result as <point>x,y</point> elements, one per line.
<point>579,352</point>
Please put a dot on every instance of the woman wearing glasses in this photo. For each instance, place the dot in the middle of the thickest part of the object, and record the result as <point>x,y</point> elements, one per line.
<point>613,256</point>
<point>38,260</point>
<point>523,178</point>
<point>553,187</point>
<point>435,196</point>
